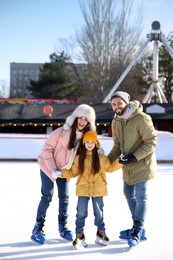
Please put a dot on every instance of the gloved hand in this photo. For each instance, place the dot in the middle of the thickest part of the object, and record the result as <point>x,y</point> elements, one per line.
<point>56,174</point>
<point>127,159</point>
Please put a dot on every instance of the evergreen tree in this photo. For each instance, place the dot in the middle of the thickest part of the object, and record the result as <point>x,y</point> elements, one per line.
<point>55,79</point>
<point>166,68</point>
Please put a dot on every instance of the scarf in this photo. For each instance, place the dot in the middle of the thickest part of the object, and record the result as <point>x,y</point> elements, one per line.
<point>74,150</point>
<point>127,113</point>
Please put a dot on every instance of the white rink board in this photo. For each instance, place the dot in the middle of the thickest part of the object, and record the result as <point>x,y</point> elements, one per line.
<point>22,146</point>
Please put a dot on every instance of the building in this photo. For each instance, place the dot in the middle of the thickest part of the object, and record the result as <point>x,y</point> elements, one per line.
<point>20,76</point>
<point>22,73</point>
<point>42,116</point>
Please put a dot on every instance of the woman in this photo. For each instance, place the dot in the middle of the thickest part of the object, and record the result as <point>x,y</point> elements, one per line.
<point>58,152</point>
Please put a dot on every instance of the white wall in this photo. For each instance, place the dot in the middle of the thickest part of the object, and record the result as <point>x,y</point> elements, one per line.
<point>22,146</point>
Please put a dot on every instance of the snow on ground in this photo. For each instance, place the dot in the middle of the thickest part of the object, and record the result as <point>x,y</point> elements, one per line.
<point>19,197</point>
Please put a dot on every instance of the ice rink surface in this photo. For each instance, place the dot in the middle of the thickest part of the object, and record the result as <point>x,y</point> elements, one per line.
<point>19,198</point>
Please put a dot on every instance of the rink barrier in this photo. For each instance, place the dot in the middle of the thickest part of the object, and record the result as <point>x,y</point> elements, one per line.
<point>26,147</point>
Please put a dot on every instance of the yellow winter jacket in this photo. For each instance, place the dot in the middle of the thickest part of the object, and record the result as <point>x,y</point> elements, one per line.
<point>89,184</point>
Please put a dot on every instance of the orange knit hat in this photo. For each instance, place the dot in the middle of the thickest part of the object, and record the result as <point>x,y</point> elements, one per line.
<point>90,136</point>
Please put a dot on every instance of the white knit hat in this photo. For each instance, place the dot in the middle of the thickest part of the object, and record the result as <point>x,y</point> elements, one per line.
<point>124,95</point>
<point>81,110</point>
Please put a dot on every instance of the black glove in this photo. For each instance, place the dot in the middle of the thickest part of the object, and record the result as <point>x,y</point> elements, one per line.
<point>127,159</point>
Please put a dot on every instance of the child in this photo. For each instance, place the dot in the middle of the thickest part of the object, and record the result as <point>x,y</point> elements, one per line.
<point>90,167</point>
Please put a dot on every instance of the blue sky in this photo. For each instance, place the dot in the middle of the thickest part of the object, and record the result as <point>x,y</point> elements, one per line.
<point>30,29</point>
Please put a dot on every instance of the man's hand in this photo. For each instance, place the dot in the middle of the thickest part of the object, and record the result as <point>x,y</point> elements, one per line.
<point>56,174</point>
<point>127,159</point>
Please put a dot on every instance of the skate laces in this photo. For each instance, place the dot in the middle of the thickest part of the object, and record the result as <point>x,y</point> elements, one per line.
<point>66,228</point>
<point>136,233</point>
<point>41,232</point>
<point>40,228</point>
<point>63,227</point>
<point>38,232</point>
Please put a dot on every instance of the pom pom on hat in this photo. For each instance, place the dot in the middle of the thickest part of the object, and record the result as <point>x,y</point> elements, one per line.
<point>124,95</point>
<point>82,110</point>
<point>90,136</point>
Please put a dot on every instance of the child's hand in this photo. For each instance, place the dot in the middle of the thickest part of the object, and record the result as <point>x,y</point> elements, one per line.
<point>56,174</point>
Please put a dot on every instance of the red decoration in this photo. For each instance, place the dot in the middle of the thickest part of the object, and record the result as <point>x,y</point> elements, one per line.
<point>48,110</point>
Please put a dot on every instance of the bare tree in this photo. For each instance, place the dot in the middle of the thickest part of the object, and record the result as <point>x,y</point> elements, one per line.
<point>108,40</point>
<point>3,89</point>
<point>104,45</point>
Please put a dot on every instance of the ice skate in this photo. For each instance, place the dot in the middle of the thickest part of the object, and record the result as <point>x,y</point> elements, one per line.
<point>101,238</point>
<point>38,235</point>
<point>65,232</point>
<point>136,235</point>
<point>80,242</point>
<point>126,234</point>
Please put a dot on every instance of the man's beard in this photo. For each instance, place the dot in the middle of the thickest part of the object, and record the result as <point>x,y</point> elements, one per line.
<point>120,111</point>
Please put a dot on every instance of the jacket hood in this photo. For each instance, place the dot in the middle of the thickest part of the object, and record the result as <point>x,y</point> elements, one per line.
<point>134,107</point>
<point>82,110</point>
<point>137,106</point>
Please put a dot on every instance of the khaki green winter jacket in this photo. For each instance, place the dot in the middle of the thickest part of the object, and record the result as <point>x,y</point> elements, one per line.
<point>135,135</point>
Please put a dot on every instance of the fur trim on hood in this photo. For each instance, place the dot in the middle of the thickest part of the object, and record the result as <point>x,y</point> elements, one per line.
<point>81,110</point>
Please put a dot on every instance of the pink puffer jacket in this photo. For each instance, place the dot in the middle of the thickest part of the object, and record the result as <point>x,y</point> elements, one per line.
<point>55,153</point>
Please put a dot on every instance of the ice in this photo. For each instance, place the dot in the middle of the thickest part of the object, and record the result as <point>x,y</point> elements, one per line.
<point>20,194</point>
<point>19,198</point>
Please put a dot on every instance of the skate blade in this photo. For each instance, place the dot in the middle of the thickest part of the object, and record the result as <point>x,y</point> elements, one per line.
<point>67,240</point>
<point>101,242</point>
<point>80,246</point>
<point>37,242</point>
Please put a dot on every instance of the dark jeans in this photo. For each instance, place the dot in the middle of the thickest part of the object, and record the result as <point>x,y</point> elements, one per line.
<point>82,213</point>
<point>47,189</point>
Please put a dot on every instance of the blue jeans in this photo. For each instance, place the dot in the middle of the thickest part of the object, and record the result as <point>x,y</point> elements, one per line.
<point>47,189</point>
<point>137,199</point>
<point>82,213</point>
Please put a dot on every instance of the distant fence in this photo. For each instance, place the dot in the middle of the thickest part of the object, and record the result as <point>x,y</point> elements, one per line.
<point>26,147</point>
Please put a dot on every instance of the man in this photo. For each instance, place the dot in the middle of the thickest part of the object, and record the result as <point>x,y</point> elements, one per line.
<point>134,143</point>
